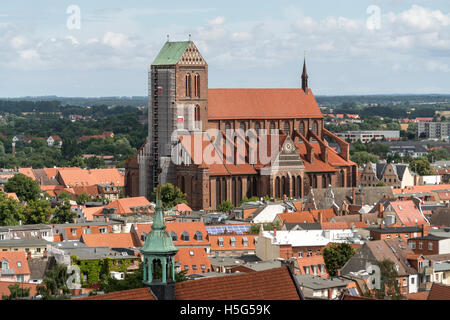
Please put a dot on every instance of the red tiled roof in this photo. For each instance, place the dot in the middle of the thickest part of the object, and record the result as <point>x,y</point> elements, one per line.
<point>91,211</point>
<point>310,262</point>
<point>182,207</point>
<point>178,228</point>
<point>89,190</point>
<point>407,212</point>
<point>193,257</point>
<point>272,284</point>
<point>28,172</point>
<point>327,214</point>
<point>439,292</point>
<point>423,295</point>
<point>420,189</point>
<point>16,258</point>
<point>80,177</point>
<point>133,294</point>
<point>111,240</point>
<point>343,225</point>
<point>259,104</point>
<point>239,246</point>
<point>296,217</point>
<point>124,205</point>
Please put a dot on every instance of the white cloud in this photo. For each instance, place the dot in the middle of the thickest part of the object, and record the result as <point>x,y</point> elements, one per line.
<point>18,42</point>
<point>29,54</point>
<point>117,40</point>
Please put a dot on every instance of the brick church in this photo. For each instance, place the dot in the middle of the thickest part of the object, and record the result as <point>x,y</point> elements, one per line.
<point>182,112</point>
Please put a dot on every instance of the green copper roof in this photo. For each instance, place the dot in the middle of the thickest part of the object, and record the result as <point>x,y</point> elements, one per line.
<point>171,53</point>
<point>158,240</point>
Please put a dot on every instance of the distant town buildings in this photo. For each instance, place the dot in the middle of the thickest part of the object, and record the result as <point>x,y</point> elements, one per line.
<point>369,136</point>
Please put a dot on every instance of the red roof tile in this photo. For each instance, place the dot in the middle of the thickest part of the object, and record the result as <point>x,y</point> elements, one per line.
<point>259,104</point>
<point>439,292</point>
<point>111,240</point>
<point>133,294</point>
<point>194,258</point>
<point>272,284</point>
<point>407,212</point>
<point>17,261</point>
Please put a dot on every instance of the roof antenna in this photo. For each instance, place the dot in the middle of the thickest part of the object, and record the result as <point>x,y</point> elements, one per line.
<point>167,38</point>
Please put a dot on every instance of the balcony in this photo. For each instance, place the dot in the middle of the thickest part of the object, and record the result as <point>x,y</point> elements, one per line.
<point>426,270</point>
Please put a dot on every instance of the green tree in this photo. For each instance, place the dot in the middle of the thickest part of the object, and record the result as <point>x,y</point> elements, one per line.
<point>381,184</point>
<point>95,163</point>
<point>82,198</point>
<point>225,206</point>
<point>54,283</point>
<point>26,188</point>
<point>11,212</point>
<point>70,149</point>
<point>38,211</point>
<point>388,281</point>
<point>15,292</point>
<point>170,195</point>
<point>362,157</point>
<point>77,162</point>
<point>336,255</point>
<point>63,213</point>
<point>421,166</point>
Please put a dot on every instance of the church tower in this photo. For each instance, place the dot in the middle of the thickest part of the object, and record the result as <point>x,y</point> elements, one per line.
<point>178,100</point>
<point>305,78</point>
<point>159,257</point>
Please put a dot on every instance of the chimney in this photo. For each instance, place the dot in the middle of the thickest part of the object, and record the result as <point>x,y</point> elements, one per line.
<point>45,253</point>
<point>381,225</point>
<point>330,293</point>
<point>338,272</point>
<point>361,217</point>
<point>29,255</point>
<point>380,210</point>
<point>274,232</point>
<point>425,230</point>
<point>320,217</point>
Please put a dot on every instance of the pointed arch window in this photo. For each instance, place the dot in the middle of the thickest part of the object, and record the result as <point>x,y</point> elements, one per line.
<point>315,127</point>
<point>197,116</point>
<point>257,128</point>
<point>188,85</point>
<point>197,85</point>
<point>301,128</point>
<point>287,127</point>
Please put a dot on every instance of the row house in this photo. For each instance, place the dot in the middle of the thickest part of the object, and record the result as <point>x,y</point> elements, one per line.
<point>74,231</point>
<point>395,250</point>
<point>192,260</point>
<point>29,231</point>
<point>232,244</point>
<point>391,174</point>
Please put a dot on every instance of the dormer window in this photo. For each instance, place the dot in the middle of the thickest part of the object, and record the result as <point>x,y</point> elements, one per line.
<point>233,241</point>
<point>220,242</point>
<point>245,241</point>
<point>198,236</point>
<point>174,236</point>
<point>185,236</point>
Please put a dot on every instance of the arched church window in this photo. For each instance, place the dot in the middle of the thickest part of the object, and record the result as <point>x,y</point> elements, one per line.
<point>315,127</point>
<point>188,85</point>
<point>257,127</point>
<point>272,126</point>
<point>301,128</point>
<point>197,116</point>
<point>287,127</point>
<point>242,126</point>
<point>197,85</point>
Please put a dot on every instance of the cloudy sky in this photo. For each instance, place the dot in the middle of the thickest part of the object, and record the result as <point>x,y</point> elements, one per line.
<point>352,46</point>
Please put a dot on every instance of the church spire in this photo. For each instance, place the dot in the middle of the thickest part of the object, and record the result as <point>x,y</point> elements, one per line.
<point>159,252</point>
<point>305,77</point>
